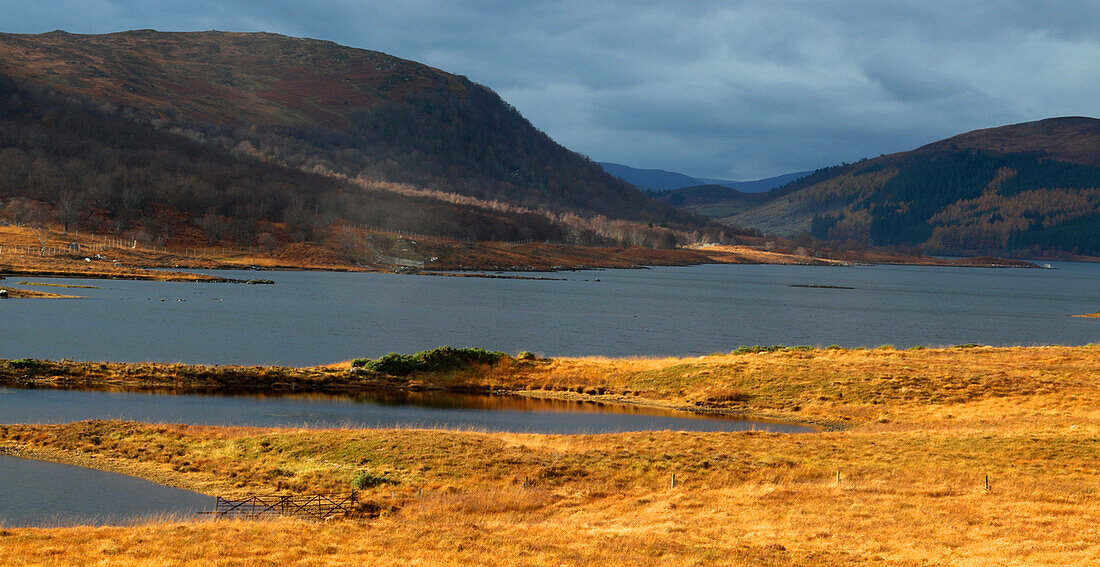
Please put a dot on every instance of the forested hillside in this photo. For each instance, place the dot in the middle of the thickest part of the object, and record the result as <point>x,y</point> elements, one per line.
<point>317,107</point>
<point>210,138</point>
<point>1029,189</point>
<point>92,169</point>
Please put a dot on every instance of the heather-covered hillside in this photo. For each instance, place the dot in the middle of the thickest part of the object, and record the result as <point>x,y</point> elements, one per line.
<point>320,107</point>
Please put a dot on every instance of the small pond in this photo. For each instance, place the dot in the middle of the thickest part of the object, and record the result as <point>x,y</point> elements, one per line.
<point>38,493</point>
<point>413,410</point>
<point>41,493</point>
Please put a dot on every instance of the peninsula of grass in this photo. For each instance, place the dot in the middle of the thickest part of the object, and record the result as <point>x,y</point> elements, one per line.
<point>829,385</point>
<point>60,285</point>
<point>971,455</point>
<point>16,293</point>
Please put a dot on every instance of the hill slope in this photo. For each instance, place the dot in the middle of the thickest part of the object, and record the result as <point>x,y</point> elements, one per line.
<point>86,168</point>
<point>659,180</point>
<point>712,200</point>
<point>307,106</point>
<point>650,179</point>
<point>1031,188</point>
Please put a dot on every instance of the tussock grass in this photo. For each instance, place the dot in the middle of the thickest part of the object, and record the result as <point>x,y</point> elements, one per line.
<point>922,429</point>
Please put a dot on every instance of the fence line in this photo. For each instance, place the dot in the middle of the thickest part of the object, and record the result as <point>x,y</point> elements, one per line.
<point>314,507</point>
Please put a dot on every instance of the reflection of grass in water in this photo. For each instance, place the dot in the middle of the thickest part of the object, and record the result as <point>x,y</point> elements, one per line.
<point>61,285</point>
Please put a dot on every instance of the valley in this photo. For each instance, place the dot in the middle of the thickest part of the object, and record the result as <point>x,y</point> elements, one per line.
<point>649,368</point>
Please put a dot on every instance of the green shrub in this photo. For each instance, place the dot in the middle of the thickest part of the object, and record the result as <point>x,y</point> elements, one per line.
<point>772,348</point>
<point>365,480</point>
<point>526,355</point>
<point>435,360</point>
<point>27,364</point>
<point>757,348</point>
<point>968,345</point>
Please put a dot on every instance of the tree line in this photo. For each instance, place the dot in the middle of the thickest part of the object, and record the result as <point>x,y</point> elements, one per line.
<point>97,167</point>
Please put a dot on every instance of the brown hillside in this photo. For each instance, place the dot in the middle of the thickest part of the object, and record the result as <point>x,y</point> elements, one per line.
<point>1075,139</point>
<point>226,77</point>
<point>311,106</point>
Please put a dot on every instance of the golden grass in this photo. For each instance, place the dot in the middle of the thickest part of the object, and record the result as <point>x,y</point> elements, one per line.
<point>349,249</point>
<point>922,429</point>
<point>17,293</point>
<point>739,254</point>
<point>73,286</point>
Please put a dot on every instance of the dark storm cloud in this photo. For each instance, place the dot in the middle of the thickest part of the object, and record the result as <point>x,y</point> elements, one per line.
<point>720,89</point>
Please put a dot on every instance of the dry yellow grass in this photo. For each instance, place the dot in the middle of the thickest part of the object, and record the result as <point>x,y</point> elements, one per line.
<point>923,429</point>
<point>348,249</point>
<point>18,293</point>
<point>739,254</point>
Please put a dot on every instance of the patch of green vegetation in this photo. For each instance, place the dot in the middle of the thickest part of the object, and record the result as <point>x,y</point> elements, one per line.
<point>435,360</point>
<point>968,345</point>
<point>28,364</point>
<point>365,480</point>
<point>771,348</point>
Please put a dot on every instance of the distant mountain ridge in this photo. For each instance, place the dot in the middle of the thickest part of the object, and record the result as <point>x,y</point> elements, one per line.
<point>1029,189</point>
<point>660,180</point>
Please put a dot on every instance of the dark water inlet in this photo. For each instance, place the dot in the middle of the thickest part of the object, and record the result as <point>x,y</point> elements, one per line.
<point>40,493</point>
<point>414,410</point>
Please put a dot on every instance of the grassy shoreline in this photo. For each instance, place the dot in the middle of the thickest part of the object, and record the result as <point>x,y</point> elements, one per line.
<point>435,256</point>
<point>18,293</point>
<point>920,431</point>
<point>830,385</point>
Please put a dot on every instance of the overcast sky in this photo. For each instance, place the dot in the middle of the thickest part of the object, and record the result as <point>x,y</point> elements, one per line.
<point>728,89</point>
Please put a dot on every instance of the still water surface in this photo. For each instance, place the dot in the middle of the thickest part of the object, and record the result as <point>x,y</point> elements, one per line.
<point>423,410</point>
<point>317,317</point>
<point>39,493</point>
<point>36,493</point>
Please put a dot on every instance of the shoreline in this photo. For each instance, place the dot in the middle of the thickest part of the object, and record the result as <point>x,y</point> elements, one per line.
<point>658,383</point>
<point>147,274</point>
<point>979,453</point>
<point>91,257</point>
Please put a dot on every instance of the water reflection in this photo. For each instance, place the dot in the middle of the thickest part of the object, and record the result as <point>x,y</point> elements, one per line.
<point>437,410</point>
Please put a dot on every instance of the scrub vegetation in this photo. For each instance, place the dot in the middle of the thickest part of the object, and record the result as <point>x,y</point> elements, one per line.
<point>435,360</point>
